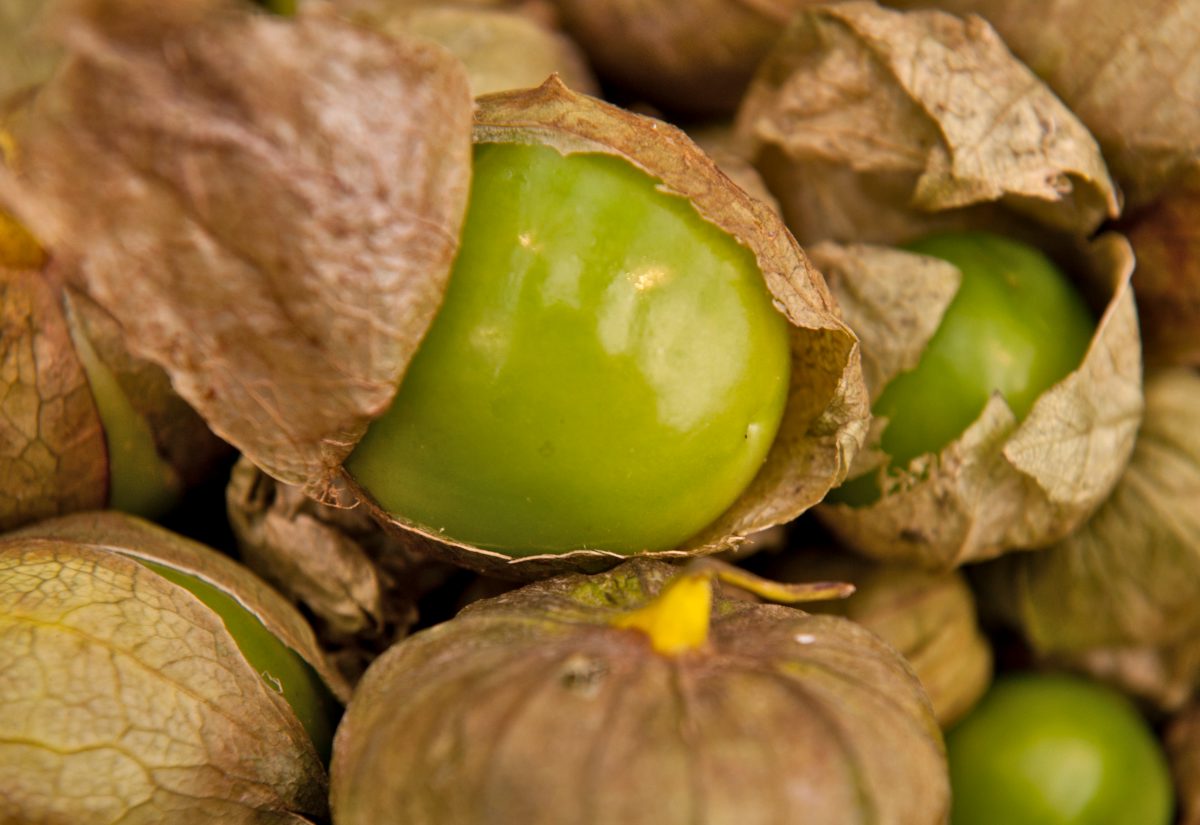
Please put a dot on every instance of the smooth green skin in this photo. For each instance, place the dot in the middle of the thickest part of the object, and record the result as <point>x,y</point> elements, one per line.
<point>281,668</point>
<point>1057,750</point>
<point>607,370</point>
<point>1016,326</point>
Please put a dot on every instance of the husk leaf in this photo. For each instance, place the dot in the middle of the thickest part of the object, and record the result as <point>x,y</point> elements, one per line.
<point>358,584</point>
<point>1167,677</point>
<point>268,207</point>
<point>1130,71</point>
<point>1004,485</point>
<point>911,115</point>
<point>1166,241</point>
<point>127,700</point>
<point>824,421</point>
<point>1138,557</point>
<point>532,708</point>
<point>26,60</point>
<point>928,617</point>
<point>693,57</point>
<point>1183,749</point>
<point>53,457</point>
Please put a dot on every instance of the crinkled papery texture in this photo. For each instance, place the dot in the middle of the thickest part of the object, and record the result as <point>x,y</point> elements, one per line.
<point>825,419</point>
<point>913,114</point>
<point>268,207</point>
<point>1166,241</point>
<point>929,617</point>
<point>1183,749</point>
<point>531,708</point>
<point>1001,485</point>
<point>1129,70</point>
<point>1166,677</point>
<point>126,700</point>
<point>695,57</point>
<point>1138,556</point>
<point>53,458</point>
<point>25,59</point>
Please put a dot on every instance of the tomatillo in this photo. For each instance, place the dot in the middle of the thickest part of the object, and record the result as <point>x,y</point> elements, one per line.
<point>607,370</point>
<point>1056,750</point>
<point>1016,327</point>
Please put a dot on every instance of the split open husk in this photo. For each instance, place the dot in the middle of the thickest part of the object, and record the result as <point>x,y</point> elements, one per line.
<point>534,707</point>
<point>1130,576</point>
<point>1183,749</point>
<point>824,421</point>
<point>872,125</point>
<point>127,699</point>
<point>1001,485</point>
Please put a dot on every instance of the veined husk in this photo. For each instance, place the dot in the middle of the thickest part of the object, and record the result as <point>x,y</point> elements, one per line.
<point>531,707</point>
<point>929,617</point>
<point>359,585</point>
<point>1130,71</point>
<point>824,421</point>
<point>501,49</point>
<point>1183,750</point>
<point>269,207</point>
<point>1001,485</point>
<point>1166,241</point>
<point>1130,576</point>
<point>126,699</point>
<point>719,143</point>
<point>694,57</point>
<point>872,125</point>
<point>1166,677</point>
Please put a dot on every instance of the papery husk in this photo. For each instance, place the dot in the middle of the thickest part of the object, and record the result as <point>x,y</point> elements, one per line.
<point>268,207</point>
<point>533,708</point>
<point>126,699</point>
<point>1166,241</point>
<point>825,418</point>
<point>929,617</point>
<point>358,584</point>
<point>1183,751</point>
<point>26,60</point>
<point>501,49</point>
<point>1130,576</point>
<point>720,144</point>
<point>1166,677</point>
<point>694,58</point>
<point>872,125</point>
<point>1001,485</point>
<point>1130,71</point>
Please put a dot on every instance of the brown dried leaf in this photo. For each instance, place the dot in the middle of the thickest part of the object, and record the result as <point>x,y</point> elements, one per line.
<point>1130,71</point>
<point>532,708</point>
<point>53,457</point>
<point>268,207</point>
<point>127,700</point>
<point>918,113</point>
<point>825,419</point>
<point>1002,485</point>
<point>1183,749</point>
<point>1139,555</point>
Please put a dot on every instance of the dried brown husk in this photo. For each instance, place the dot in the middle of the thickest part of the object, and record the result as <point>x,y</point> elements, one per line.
<point>126,699</point>
<point>501,49</point>
<point>532,708</point>
<point>268,207</point>
<point>825,418</point>
<point>1130,576</point>
<point>358,584</point>
<point>872,125</point>
<point>1183,750</point>
<point>694,57</point>
<point>1166,240</point>
<point>720,144</point>
<point>1130,71</point>
<point>1001,485</point>
<point>929,617</point>
<point>26,60</point>
<point>1166,677</point>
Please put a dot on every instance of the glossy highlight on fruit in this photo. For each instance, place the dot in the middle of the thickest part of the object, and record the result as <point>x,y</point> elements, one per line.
<point>1056,750</point>
<point>607,370</point>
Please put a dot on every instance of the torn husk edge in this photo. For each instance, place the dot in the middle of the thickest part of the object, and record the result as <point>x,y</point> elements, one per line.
<point>161,709</point>
<point>1001,485</point>
<point>1138,556</point>
<point>917,115</point>
<point>198,164</point>
<point>824,421</point>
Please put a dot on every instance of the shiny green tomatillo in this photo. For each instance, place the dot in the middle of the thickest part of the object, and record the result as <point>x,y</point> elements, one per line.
<point>607,370</point>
